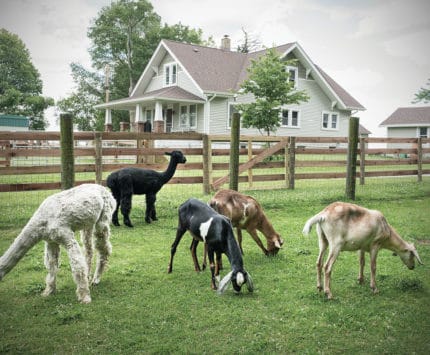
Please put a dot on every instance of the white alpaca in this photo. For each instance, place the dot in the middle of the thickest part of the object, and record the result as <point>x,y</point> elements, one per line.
<point>87,208</point>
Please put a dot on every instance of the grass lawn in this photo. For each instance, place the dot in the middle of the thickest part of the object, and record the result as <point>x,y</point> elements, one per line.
<point>139,308</point>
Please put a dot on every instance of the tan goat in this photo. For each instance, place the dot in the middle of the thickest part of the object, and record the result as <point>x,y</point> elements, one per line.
<point>348,227</point>
<point>246,213</point>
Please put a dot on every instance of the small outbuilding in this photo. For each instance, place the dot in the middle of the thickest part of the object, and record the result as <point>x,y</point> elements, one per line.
<point>408,122</point>
<point>14,123</point>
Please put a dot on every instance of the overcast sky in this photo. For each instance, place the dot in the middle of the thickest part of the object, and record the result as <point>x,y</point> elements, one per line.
<point>377,50</point>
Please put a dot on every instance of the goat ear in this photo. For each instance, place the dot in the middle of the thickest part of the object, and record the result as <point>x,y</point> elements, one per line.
<point>249,282</point>
<point>167,153</point>
<point>222,287</point>
<point>414,251</point>
<point>277,244</point>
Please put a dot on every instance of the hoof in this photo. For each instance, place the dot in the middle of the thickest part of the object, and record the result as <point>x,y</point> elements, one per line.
<point>128,224</point>
<point>86,299</point>
<point>148,220</point>
<point>47,292</point>
<point>116,223</point>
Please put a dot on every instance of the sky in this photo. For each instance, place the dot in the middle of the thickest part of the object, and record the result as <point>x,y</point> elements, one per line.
<point>377,50</point>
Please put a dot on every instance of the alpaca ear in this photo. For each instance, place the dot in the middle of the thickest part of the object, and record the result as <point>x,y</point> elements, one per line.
<point>222,287</point>
<point>249,282</point>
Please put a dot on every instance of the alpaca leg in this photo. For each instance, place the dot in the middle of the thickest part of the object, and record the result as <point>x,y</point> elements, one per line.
<point>104,249</point>
<point>150,208</point>
<point>79,268</point>
<point>126,208</point>
<point>87,242</point>
<point>117,197</point>
<point>52,262</point>
<point>126,184</point>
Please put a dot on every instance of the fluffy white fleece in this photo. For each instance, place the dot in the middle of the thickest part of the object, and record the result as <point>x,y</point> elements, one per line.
<point>87,208</point>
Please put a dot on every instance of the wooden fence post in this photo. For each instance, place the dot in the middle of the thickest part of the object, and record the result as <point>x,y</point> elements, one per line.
<point>67,158</point>
<point>250,179</point>
<point>207,164</point>
<point>234,152</point>
<point>420,159</point>
<point>98,155</point>
<point>291,163</point>
<point>351,169</point>
<point>362,160</point>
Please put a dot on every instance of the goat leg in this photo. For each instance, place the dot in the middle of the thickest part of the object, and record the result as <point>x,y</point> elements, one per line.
<point>361,270</point>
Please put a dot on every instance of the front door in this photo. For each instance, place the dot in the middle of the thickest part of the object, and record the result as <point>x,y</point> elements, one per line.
<point>169,120</point>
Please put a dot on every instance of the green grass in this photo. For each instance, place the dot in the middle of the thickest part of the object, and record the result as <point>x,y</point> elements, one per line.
<point>139,308</point>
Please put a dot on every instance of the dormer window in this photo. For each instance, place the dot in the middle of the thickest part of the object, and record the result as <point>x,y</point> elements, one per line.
<point>294,75</point>
<point>170,71</point>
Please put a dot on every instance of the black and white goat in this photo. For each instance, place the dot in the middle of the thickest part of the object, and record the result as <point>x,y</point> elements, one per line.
<point>206,225</point>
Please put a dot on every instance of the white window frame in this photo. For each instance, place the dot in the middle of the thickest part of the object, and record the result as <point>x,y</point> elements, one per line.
<point>185,122</point>
<point>295,79</point>
<point>170,74</point>
<point>290,118</point>
<point>330,121</point>
<point>419,135</point>
<point>230,114</point>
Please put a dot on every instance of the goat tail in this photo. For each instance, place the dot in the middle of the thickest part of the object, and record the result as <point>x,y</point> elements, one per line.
<point>20,246</point>
<point>318,218</point>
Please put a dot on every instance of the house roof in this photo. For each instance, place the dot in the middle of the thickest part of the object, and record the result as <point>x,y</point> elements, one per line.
<point>348,100</point>
<point>217,70</point>
<point>221,71</point>
<point>172,92</point>
<point>363,130</point>
<point>409,116</point>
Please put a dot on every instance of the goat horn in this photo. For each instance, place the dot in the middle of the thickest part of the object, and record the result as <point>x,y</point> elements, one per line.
<point>414,251</point>
<point>222,287</point>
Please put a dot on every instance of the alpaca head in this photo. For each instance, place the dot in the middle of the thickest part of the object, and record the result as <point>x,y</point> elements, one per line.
<point>177,156</point>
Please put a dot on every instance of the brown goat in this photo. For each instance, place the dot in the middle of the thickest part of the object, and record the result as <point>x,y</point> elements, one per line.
<point>347,227</point>
<point>246,213</point>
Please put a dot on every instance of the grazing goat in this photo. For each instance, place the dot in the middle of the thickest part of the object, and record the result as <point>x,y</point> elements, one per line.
<point>126,182</point>
<point>206,225</point>
<point>246,213</point>
<point>344,226</point>
<point>87,208</point>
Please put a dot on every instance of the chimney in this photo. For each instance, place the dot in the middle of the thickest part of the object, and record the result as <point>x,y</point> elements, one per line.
<point>225,43</point>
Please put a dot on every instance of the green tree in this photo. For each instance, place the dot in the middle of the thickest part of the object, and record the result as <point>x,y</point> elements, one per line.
<point>124,35</point>
<point>270,83</point>
<point>20,83</point>
<point>423,94</point>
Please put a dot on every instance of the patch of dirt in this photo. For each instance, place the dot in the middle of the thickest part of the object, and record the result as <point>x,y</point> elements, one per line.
<point>423,241</point>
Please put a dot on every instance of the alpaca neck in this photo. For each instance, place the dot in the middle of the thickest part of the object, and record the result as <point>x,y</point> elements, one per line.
<point>28,237</point>
<point>167,175</point>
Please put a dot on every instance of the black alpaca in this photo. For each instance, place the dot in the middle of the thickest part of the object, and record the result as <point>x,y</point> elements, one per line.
<point>126,182</point>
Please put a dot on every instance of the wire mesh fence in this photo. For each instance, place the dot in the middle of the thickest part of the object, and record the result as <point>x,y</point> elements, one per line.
<point>30,162</point>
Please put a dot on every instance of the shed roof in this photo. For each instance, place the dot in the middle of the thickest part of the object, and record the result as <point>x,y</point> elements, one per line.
<point>14,121</point>
<point>408,116</point>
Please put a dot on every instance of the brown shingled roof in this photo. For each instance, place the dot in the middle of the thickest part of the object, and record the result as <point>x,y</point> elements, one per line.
<point>347,99</point>
<point>408,116</point>
<point>172,92</point>
<point>220,70</point>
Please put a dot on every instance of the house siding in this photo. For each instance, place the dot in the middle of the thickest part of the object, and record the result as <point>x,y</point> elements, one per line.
<point>310,115</point>
<point>183,79</point>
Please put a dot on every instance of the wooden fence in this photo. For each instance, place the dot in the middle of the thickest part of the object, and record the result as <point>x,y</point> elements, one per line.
<point>24,155</point>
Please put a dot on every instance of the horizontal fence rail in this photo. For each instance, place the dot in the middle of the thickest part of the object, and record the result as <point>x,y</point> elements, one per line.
<point>32,160</point>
